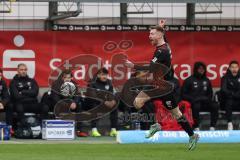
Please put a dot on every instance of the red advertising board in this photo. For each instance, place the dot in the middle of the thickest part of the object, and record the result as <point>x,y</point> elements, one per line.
<point>44,51</point>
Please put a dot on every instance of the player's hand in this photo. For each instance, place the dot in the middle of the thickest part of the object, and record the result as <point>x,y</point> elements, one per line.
<point>73,106</point>
<point>110,104</point>
<point>140,100</point>
<point>162,22</point>
<point>1,106</point>
<point>129,64</point>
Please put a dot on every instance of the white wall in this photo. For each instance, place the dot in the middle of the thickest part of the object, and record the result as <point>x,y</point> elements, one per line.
<point>39,10</point>
<point>31,15</point>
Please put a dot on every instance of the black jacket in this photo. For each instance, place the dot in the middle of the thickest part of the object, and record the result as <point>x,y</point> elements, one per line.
<point>55,91</point>
<point>197,87</point>
<point>23,89</point>
<point>230,85</point>
<point>4,95</point>
<point>99,85</point>
<point>95,83</point>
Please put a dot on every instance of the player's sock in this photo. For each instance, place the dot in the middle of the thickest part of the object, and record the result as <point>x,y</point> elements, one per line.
<point>193,138</point>
<point>185,125</point>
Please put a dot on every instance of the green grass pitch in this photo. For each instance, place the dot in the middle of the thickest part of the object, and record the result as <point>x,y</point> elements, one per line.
<point>78,151</point>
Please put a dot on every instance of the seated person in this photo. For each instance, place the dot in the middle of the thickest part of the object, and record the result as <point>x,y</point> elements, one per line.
<point>197,89</point>
<point>101,82</point>
<point>230,91</point>
<point>56,94</point>
<point>24,92</point>
<point>52,97</point>
<point>5,104</point>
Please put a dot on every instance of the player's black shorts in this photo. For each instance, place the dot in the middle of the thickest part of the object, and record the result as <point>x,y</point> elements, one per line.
<point>169,100</point>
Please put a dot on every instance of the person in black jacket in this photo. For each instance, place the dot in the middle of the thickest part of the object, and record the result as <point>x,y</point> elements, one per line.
<point>24,92</point>
<point>5,104</point>
<point>101,82</point>
<point>55,94</point>
<point>230,90</point>
<point>197,89</point>
<point>55,97</point>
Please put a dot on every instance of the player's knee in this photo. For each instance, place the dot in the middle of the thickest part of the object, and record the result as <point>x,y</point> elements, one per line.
<point>176,113</point>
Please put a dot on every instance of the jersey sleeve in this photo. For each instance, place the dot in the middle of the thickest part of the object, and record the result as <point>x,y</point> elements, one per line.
<point>163,57</point>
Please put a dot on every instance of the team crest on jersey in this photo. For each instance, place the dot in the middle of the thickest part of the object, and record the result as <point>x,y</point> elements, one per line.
<point>29,84</point>
<point>204,83</point>
<point>195,84</point>
<point>20,85</point>
<point>107,87</point>
<point>239,80</point>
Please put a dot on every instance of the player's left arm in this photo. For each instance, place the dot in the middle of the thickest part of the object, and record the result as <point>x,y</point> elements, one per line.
<point>162,23</point>
<point>142,67</point>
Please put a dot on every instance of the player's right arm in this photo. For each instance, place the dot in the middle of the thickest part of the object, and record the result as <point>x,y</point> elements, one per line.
<point>160,57</point>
